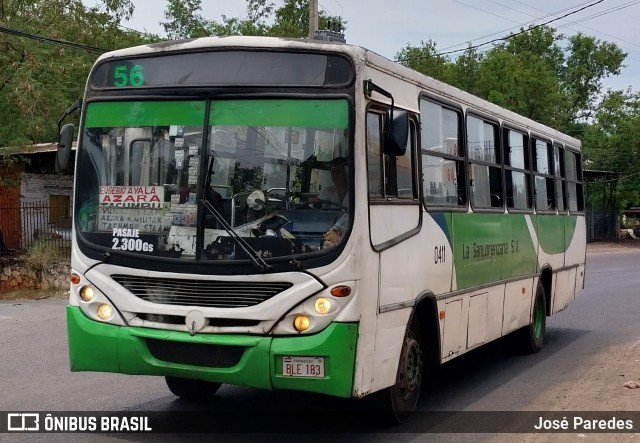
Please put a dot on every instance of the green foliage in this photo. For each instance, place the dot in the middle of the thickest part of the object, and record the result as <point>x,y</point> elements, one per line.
<point>425,59</point>
<point>612,143</point>
<point>291,19</point>
<point>183,21</point>
<point>531,73</point>
<point>589,62</point>
<point>466,72</point>
<point>39,80</point>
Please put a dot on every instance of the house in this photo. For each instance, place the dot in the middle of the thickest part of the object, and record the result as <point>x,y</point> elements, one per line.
<point>35,201</point>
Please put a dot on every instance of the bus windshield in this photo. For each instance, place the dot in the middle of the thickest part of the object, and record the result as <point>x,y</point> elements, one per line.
<point>156,178</point>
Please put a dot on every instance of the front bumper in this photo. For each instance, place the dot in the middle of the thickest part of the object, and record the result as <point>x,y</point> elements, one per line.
<point>95,346</point>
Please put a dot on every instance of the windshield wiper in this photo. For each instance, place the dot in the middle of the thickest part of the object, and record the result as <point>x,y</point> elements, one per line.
<point>257,260</point>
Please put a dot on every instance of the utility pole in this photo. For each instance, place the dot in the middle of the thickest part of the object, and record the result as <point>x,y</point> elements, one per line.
<point>313,18</point>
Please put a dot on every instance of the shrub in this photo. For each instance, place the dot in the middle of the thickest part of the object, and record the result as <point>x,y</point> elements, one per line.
<point>41,255</point>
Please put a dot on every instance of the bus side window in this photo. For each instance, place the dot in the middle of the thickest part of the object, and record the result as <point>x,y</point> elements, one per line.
<point>543,175</point>
<point>389,176</point>
<point>485,172</point>
<point>573,168</point>
<point>561,185</point>
<point>516,169</point>
<point>374,153</point>
<point>443,173</point>
<point>403,183</point>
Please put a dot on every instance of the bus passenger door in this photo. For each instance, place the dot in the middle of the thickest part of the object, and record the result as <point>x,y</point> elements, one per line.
<point>394,228</point>
<point>394,210</point>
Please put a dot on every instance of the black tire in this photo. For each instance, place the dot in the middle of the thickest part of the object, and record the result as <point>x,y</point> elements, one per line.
<point>532,336</point>
<point>194,390</point>
<point>401,399</point>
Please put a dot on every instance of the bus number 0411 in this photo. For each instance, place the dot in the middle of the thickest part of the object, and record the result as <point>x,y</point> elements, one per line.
<point>439,254</point>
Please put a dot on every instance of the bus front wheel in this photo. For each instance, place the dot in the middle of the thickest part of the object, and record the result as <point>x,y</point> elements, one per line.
<point>189,389</point>
<point>403,396</point>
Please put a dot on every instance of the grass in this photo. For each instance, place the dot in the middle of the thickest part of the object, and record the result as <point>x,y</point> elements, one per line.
<point>41,255</point>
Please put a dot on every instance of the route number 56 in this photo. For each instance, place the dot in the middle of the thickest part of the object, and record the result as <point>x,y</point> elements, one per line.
<point>125,76</point>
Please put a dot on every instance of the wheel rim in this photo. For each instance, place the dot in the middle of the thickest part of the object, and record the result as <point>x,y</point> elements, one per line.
<point>411,369</point>
<point>537,318</point>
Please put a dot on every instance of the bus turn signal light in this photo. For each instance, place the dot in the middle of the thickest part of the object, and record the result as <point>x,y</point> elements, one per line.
<point>341,291</point>
<point>74,278</point>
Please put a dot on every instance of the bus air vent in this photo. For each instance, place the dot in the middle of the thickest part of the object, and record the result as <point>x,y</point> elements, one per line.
<point>214,294</point>
<point>214,356</point>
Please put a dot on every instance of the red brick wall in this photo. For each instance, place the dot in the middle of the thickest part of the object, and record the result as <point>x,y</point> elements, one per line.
<point>10,223</point>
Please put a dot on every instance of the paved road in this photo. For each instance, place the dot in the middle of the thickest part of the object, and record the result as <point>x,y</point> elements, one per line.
<point>34,372</point>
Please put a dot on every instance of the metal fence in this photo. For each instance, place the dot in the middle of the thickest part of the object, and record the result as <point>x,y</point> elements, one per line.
<point>26,225</point>
<point>602,225</point>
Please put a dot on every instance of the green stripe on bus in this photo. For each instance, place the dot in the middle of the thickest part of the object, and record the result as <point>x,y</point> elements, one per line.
<point>138,114</point>
<point>555,232</point>
<point>284,113</point>
<point>491,247</point>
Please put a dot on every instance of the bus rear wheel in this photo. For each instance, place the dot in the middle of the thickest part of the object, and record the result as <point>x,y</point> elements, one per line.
<point>532,336</point>
<point>402,397</point>
<point>188,389</point>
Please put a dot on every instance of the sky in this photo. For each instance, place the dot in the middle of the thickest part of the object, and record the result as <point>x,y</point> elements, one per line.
<point>386,26</point>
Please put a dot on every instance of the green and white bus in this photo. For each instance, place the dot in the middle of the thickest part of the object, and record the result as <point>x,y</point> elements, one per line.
<point>213,244</point>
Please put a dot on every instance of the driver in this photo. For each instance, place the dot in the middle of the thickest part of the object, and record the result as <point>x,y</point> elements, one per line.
<point>338,193</point>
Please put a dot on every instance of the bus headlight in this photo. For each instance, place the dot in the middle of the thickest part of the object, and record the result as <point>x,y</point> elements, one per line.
<point>94,304</point>
<point>315,313</point>
<point>301,323</point>
<point>86,293</point>
<point>322,305</point>
<point>104,312</point>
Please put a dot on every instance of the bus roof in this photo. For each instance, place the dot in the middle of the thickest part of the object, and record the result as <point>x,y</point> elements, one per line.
<point>359,55</point>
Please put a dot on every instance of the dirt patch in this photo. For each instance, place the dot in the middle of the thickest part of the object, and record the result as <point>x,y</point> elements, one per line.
<point>618,246</point>
<point>34,294</point>
<point>600,384</point>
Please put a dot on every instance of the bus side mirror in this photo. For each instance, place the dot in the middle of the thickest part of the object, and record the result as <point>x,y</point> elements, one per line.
<point>397,133</point>
<point>64,148</point>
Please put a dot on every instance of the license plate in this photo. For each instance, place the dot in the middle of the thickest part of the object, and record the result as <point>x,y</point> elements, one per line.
<point>302,366</point>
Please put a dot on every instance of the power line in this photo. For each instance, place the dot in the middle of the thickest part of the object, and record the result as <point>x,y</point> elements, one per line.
<point>516,27</point>
<point>513,35</point>
<point>523,31</point>
<point>605,12</point>
<point>584,26</point>
<point>42,38</point>
<point>614,9</point>
<point>578,21</point>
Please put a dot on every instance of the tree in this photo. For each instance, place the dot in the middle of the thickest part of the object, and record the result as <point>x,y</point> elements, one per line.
<point>523,75</point>
<point>39,80</point>
<point>612,143</point>
<point>588,63</point>
<point>424,58</point>
<point>530,73</point>
<point>183,20</point>
<point>466,71</point>
<point>291,19</point>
